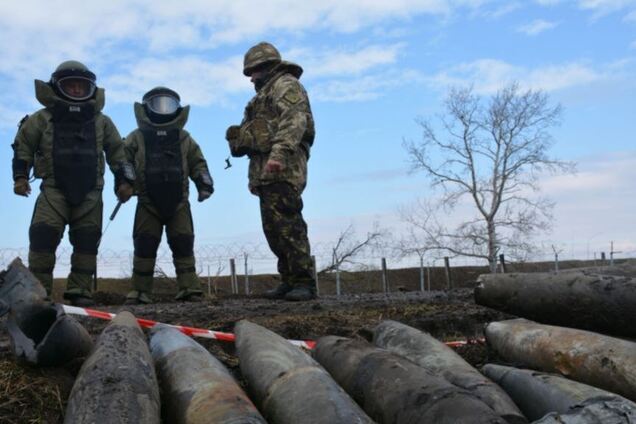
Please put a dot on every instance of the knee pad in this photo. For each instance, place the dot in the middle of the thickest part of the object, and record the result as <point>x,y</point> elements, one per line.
<point>182,245</point>
<point>85,239</point>
<point>44,238</point>
<point>146,245</point>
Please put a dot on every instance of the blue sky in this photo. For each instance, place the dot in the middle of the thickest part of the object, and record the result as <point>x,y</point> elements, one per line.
<point>371,68</point>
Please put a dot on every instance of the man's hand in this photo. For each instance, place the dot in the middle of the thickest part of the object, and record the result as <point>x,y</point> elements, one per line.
<point>274,166</point>
<point>204,194</point>
<point>124,192</point>
<point>21,187</point>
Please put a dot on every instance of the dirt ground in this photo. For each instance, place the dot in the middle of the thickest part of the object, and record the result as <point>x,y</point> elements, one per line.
<point>29,395</point>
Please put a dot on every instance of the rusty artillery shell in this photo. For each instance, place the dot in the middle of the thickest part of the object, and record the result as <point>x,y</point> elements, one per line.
<point>196,387</point>
<point>555,399</point>
<point>117,382</point>
<point>601,361</point>
<point>19,288</point>
<point>393,390</point>
<point>599,303</point>
<point>289,386</point>
<point>440,360</point>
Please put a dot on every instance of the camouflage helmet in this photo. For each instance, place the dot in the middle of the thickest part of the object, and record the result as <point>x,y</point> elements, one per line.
<point>73,80</point>
<point>261,54</point>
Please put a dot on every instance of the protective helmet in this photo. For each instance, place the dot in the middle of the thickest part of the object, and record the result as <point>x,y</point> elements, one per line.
<point>261,54</point>
<point>74,81</point>
<point>162,104</point>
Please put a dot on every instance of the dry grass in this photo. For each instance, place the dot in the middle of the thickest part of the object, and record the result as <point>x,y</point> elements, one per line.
<point>30,396</point>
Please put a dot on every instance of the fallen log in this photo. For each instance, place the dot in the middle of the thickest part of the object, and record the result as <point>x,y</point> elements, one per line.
<point>287,384</point>
<point>601,361</point>
<point>196,388</point>
<point>117,382</point>
<point>593,302</point>
<point>393,390</point>
<point>438,359</point>
<point>554,399</point>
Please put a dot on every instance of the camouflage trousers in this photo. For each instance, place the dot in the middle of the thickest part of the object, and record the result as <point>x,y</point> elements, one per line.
<point>52,213</point>
<point>286,232</point>
<point>147,232</point>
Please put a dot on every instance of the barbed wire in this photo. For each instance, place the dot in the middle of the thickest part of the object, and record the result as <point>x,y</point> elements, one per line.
<point>258,258</point>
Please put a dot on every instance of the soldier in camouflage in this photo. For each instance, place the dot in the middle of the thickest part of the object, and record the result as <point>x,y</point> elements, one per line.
<point>277,133</point>
<point>165,156</point>
<point>65,144</point>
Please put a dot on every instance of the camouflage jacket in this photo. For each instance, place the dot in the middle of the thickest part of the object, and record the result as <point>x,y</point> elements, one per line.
<point>194,164</point>
<point>277,124</point>
<point>33,146</point>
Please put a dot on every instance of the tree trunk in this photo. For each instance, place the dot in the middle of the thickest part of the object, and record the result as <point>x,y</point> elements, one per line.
<point>572,299</point>
<point>492,246</point>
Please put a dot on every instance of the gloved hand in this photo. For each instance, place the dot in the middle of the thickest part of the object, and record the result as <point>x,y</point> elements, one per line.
<point>205,194</point>
<point>124,192</point>
<point>21,187</point>
<point>233,132</point>
<point>274,166</point>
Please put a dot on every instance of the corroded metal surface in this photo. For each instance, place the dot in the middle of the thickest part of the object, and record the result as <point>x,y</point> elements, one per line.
<point>117,382</point>
<point>287,384</point>
<point>434,356</point>
<point>601,361</point>
<point>196,387</point>
<point>19,288</point>
<point>393,390</point>
<point>539,394</point>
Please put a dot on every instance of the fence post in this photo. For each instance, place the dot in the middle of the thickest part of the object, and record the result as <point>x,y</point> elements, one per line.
<point>247,276</point>
<point>602,258</point>
<point>428,274</point>
<point>209,283</point>
<point>421,273</point>
<point>556,261</point>
<point>502,260</point>
<point>385,279</point>
<point>337,280</point>
<point>449,281</point>
<point>313,261</point>
<point>233,281</point>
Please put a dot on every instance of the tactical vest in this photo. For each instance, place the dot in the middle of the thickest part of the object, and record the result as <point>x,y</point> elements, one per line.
<point>74,150</point>
<point>164,170</point>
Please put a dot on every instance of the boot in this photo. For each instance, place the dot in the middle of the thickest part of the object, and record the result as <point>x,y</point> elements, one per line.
<point>301,294</point>
<point>189,295</point>
<point>79,297</point>
<point>137,297</point>
<point>279,292</point>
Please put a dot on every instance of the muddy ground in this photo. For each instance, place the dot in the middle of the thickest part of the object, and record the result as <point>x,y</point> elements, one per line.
<point>30,395</point>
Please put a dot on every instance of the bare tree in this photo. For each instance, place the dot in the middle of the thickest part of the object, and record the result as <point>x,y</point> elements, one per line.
<point>347,247</point>
<point>492,155</point>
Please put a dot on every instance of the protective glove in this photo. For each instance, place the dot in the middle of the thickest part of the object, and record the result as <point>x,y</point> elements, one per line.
<point>21,187</point>
<point>204,194</point>
<point>124,192</point>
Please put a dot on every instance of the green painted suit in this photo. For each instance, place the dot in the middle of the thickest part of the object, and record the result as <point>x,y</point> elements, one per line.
<point>278,125</point>
<point>59,205</point>
<point>171,211</point>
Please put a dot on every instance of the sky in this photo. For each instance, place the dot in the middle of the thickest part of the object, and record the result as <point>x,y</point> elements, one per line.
<point>372,69</point>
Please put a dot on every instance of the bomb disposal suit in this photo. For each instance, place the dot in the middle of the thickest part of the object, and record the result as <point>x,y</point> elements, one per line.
<point>65,144</point>
<point>165,157</point>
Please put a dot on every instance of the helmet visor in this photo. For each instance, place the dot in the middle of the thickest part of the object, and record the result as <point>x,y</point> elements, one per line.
<point>76,88</point>
<point>162,104</point>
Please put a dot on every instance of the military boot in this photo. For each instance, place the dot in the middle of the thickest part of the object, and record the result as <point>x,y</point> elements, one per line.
<point>79,298</point>
<point>301,293</point>
<point>279,292</point>
<point>137,297</point>
<point>189,295</point>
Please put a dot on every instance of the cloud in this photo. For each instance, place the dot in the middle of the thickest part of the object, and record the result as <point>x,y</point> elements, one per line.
<point>536,27</point>
<point>489,75</point>
<point>601,8</point>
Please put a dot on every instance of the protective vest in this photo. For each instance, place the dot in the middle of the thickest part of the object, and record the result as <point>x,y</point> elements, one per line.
<point>164,170</point>
<point>74,150</point>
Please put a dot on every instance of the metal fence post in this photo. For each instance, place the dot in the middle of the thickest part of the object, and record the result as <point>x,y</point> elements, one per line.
<point>247,276</point>
<point>449,281</point>
<point>421,273</point>
<point>233,280</point>
<point>428,272</point>
<point>502,260</point>
<point>209,283</point>
<point>337,280</point>
<point>313,261</point>
<point>385,279</point>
